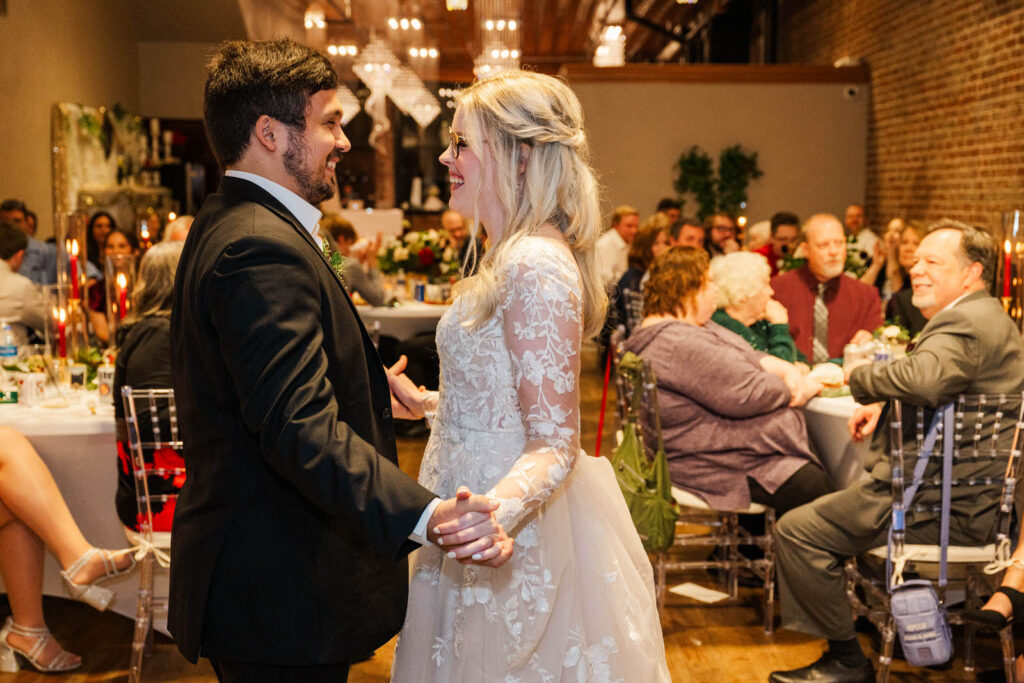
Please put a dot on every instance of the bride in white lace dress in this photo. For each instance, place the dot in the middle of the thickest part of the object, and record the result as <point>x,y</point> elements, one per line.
<point>576,600</point>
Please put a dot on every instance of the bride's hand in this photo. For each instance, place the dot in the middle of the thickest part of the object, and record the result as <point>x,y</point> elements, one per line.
<point>407,400</point>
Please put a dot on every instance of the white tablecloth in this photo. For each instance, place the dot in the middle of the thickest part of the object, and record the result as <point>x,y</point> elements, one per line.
<point>844,461</point>
<point>403,321</point>
<point>79,449</point>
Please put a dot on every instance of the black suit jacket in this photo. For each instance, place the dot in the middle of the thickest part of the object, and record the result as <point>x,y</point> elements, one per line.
<point>290,534</point>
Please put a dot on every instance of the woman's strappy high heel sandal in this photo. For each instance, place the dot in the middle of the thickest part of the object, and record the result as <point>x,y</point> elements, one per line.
<point>90,593</point>
<point>9,654</point>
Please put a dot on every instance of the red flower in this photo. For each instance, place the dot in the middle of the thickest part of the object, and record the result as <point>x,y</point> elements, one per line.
<point>427,257</point>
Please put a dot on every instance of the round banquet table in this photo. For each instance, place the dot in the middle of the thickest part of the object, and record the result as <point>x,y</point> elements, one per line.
<point>405,320</point>
<point>78,446</point>
<point>844,461</point>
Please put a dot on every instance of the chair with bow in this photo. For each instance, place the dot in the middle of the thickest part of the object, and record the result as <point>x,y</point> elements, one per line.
<point>972,447</point>
<point>152,423</point>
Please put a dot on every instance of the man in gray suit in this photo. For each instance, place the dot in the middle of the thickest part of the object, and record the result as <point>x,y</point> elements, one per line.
<point>970,346</point>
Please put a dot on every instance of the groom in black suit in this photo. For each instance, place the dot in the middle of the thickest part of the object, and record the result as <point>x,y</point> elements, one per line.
<point>291,531</point>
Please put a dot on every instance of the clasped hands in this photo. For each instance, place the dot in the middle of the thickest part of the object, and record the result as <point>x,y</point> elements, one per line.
<point>467,527</point>
<point>466,524</point>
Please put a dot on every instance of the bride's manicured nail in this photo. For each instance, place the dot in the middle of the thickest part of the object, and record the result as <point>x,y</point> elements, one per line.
<point>451,554</point>
<point>477,556</point>
<point>437,530</point>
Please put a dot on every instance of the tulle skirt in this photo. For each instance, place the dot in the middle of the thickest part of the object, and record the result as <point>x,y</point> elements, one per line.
<point>575,602</point>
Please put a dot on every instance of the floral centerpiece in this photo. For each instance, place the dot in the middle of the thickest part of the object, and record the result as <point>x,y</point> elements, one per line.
<point>427,252</point>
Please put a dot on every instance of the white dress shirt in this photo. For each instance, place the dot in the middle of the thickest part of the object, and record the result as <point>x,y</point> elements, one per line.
<point>612,253</point>
<point>21,303</point>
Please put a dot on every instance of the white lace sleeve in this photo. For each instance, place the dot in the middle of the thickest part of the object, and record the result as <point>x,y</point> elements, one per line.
<point>430,406</point>
<point>542,322</point>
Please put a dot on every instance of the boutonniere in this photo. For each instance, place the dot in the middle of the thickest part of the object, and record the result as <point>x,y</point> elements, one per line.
<point>335,258</point>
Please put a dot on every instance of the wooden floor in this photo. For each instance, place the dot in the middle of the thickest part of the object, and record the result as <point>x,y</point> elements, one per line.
<point>717,644</point>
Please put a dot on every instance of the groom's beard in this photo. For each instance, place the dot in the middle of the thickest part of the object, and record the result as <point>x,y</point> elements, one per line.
<point>315,185</point>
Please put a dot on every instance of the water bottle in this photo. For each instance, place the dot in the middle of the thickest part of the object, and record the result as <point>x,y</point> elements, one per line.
<point>8,346</point>
<point>8,363</point>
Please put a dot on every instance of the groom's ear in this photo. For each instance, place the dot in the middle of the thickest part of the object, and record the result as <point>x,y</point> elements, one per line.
<point>268,133</point>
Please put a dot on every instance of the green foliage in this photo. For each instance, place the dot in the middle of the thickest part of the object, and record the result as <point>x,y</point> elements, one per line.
<point>725,192</point>
<point>735,171</point>
<point>92,127</point>
<point>695,177</point>
<point>335,258</point>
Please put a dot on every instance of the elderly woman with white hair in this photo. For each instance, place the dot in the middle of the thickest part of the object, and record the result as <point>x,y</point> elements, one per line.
<point>746,306</point>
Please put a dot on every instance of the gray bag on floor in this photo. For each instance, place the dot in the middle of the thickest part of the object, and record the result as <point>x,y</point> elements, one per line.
<point>920,616</point>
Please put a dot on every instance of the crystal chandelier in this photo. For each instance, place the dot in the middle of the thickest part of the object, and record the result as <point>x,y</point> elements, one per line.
<point>376,67</point>
<point>498,33</point>
<point>349,104</point>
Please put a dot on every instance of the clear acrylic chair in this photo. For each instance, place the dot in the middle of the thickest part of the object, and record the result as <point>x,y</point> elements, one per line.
<point>634,304</point>
<point>986,452</point>
<point>699,525</point>
<point>152,423</point>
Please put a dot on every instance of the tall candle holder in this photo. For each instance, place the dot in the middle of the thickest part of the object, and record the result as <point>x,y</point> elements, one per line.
<point>120,283</point>
<point>1009,276</point>
<point>66,334</point>
<point>71,254</point>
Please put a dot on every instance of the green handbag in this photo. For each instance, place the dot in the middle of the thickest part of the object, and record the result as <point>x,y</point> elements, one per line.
<point>645,483</point>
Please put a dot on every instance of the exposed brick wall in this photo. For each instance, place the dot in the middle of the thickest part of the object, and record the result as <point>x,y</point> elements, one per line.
<point>946,123</point>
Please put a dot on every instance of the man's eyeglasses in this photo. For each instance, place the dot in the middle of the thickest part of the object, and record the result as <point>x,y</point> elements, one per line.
<point>457,142</point>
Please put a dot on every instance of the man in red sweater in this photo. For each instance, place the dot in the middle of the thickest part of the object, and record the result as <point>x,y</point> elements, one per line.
<point>785,235</point>
<point>850,309</point>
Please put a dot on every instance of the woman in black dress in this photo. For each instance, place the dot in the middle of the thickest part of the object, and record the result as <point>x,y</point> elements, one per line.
<point>144,362</point>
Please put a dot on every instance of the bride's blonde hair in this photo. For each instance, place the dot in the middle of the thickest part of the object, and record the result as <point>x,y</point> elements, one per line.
<point>558,185</point>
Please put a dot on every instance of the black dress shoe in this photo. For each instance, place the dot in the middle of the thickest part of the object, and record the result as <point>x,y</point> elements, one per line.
<point>826,670</point>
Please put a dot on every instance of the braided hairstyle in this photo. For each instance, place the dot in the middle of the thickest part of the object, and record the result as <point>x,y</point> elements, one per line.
<point>555,185</point>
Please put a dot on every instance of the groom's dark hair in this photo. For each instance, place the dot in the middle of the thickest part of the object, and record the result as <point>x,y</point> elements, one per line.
<point>250,79</point>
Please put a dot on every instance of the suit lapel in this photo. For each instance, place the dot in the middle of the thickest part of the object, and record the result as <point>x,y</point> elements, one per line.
<point>250,191</point>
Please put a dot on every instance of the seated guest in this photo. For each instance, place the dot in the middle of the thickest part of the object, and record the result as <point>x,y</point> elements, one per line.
<point>33,515</point>
<point>144,362</point>
<point>901,308</point>
<point>687,232</point>
<point>827,309</point>
<point>670,208</point>
<point>728,413</point>
<point>455,225</point>
<point>785,234</point>
<point>117,242</point>
<point>746,306</point>
<point>177,230</point>
<point>648,244</point>
<point>360,271</point>
<point>969,346</point>
<point>721,232</point>
<point>40,262</point>
<point>757,235</point>
<point>861,238</point>
<point>613,245</point>
<point>21,300</point>
<point>96,231</point>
